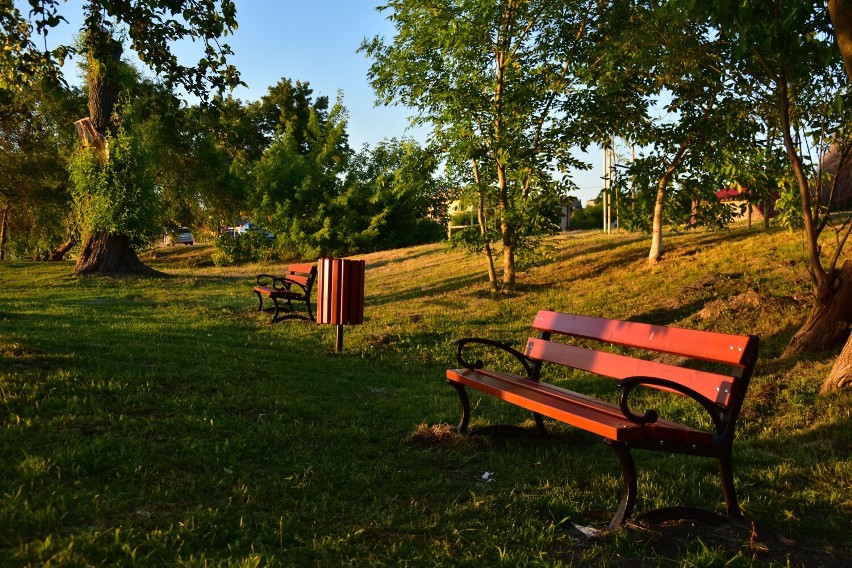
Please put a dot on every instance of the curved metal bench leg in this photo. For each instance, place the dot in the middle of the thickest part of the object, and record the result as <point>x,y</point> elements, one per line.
<point>726,476</point>
<point>259,301</point>
<point>628,493</point>
<point>539,424</point>
<point>465,406</point>
<point>310,311</point>
<point>275,315</point>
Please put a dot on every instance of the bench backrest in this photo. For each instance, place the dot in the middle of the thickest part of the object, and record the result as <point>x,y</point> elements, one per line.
<point>735,353</point>
<point>304,274</point>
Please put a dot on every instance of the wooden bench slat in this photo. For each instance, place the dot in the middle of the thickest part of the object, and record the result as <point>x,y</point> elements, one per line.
<point>562,410</point>
<point>713,386</point>
<point>590,414</point>
<point>305,268</point>
<point>717,347</point>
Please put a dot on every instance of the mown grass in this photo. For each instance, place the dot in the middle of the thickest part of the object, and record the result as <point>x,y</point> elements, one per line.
<point>152,421</point>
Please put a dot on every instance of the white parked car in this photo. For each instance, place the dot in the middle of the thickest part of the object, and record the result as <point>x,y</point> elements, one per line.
<point>251,227</point>
<point>181,237</point>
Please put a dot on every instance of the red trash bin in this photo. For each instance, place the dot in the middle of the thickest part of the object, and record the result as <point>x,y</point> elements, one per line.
<point>340,294</point>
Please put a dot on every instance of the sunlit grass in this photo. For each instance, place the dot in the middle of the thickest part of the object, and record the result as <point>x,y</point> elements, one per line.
<point>151,421</point>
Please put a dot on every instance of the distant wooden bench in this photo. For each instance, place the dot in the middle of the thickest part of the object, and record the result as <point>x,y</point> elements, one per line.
<point>295,285</point>
<point>719,391</point>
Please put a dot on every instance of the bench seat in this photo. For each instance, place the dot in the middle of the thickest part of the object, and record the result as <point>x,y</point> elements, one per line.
<point>588,413</point>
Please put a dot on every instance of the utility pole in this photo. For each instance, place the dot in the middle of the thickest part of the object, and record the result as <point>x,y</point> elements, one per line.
<point>608,195</point>
<point>605,192</point>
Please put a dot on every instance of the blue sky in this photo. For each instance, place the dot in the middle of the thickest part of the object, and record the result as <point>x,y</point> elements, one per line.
<point>314,41</point>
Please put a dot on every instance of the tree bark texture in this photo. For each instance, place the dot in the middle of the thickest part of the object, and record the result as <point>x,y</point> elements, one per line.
<point>828,323</point>
<point>483,228</point>
<point>102,78</point>
<point>107,253</point>
<point>507,231</point>
<point>840,12</point>
<point>656,253</point>
<point>3,224</point>
<point>841,373</point>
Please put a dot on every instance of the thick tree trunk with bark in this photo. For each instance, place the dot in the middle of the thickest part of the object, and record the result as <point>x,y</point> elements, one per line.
<point>104,252</point>
<point>841,373</point>
<point>102,79</point>
<point>829,320</point>
<point>107,253</point>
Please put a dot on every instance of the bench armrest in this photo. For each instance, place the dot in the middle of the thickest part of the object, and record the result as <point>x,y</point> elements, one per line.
<point>265,279</point>
<point>715,411</point>
<point>478,364</point>
<point>287,284</point>
<point>279,283</point>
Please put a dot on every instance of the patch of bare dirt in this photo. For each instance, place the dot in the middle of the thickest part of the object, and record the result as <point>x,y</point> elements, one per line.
<point>443,436</point>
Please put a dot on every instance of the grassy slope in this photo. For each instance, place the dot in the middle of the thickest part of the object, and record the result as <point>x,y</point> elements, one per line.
<point>151,421</point>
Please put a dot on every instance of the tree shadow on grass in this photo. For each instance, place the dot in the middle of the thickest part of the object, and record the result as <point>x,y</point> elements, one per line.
<point>669,315</point>
<point>462,285</point>
<point>427,251</point>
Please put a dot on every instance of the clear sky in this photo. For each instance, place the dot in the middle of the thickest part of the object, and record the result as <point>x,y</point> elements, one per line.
<point>315,41</point>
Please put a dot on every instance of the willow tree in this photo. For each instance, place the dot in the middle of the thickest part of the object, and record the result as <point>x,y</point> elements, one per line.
<point>150,28</point>
<point>498,83</point>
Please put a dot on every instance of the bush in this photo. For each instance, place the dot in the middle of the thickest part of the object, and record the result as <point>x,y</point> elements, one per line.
<point>250,246</point>
<point>588,218</point>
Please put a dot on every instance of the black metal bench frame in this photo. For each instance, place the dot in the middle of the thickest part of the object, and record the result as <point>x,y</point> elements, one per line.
<point>283,291</point>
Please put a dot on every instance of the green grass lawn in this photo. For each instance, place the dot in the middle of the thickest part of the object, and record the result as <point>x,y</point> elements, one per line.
<point>154,421</point>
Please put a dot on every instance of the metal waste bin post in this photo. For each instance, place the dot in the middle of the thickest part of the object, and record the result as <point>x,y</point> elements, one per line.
<point>340,294</point>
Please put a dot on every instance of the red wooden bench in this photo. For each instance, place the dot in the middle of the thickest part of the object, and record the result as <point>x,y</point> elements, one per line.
<point>295,285</point>
<point>720,391</point>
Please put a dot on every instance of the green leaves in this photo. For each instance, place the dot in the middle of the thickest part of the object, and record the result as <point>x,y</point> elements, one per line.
<point>150,28</point>
<point>116,193</point>
<point>497,83</point>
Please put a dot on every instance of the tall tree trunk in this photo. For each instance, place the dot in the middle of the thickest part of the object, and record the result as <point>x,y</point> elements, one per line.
<point>507,225</point>
<point>507,231</point>
<point>483,228</point>
<point>840,12</point>
<point>104,55</point>
<point>3,224</point>
<point>656,253</point>
<point>107,253</point>
<point>817,272</point>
